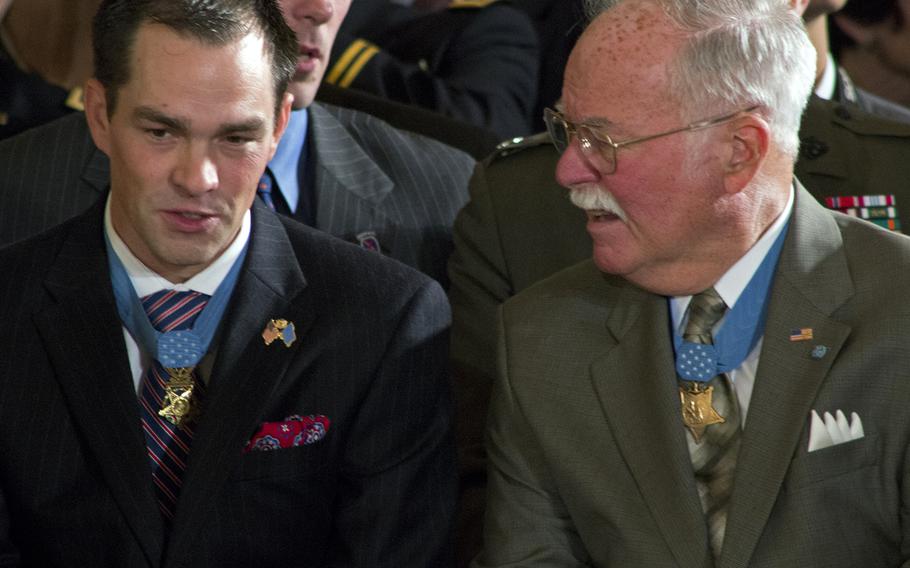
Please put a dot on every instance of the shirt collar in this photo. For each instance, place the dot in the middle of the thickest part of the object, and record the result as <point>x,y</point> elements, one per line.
<point>731,285</point>
<point>285,164</point>
<point>145,281</point>
<point>828,82</point>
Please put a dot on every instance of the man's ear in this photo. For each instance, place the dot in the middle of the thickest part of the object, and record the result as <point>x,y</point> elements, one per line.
<point>95,99</point>
<point>749,143</point>
<point>281,122</point>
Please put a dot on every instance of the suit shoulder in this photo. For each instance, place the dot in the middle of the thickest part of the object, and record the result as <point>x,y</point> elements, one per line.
<point>576,282</point>
<point>371,131</point>
<point>342,265</point>
<point>824,116</point>
<point>519,148</point>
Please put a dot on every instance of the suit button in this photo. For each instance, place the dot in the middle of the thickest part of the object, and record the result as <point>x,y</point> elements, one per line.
<point>812,148</point>
<point>841,112</point>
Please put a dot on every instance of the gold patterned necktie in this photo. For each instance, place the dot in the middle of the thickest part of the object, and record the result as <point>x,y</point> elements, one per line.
<point>714,442</point>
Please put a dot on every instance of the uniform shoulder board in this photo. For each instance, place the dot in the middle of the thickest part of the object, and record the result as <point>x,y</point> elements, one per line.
<point>860,122</point>
<point>513,145</point>
<point>459,4</point>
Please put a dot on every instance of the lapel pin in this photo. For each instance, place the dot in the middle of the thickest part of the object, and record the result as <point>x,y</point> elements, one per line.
<point>279,329</point>
<point>801,334</point>
<point>368,241</point>
<point>819,351</point>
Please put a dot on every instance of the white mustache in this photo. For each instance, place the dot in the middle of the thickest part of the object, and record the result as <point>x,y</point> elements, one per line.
<point>594,198</point>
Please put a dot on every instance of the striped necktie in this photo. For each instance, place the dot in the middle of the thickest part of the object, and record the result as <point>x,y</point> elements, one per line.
<point>714,456</point>
<point>168,445</point>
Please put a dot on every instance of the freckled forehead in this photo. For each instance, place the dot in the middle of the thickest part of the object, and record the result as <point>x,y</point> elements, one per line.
<point>622,52</point>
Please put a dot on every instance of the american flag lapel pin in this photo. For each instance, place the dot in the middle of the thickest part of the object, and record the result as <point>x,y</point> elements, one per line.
<point>801,334</point>
<point>279,329</point>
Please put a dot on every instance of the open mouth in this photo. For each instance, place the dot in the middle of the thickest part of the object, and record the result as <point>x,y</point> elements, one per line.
<point>598,215</point>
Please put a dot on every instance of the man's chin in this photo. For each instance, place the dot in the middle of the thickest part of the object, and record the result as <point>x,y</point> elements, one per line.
<point>304,92</point>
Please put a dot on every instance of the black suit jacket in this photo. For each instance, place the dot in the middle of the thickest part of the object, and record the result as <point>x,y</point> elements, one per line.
<point>476,141</point>
<point>369,178</point>
<point>476,62</point>
<point>378,490</point>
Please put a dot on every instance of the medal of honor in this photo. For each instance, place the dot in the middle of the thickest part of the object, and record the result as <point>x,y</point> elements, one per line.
<point>177,406</point>
<point>697,410</point>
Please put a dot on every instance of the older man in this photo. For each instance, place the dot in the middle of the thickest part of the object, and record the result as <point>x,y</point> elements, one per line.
<point>723,383</point>
<point>192,380</point>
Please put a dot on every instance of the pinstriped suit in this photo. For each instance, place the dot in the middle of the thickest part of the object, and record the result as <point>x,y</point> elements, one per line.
<point>378,490</point>
<point>368,177</point>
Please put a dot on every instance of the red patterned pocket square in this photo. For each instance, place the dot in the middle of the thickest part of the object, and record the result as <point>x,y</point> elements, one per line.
<point>293,431</point>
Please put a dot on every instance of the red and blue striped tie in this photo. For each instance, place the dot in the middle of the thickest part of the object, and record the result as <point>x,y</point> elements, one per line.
<point>168,445</point>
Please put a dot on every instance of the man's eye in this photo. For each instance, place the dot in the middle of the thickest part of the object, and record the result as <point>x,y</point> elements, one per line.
<point>157,133</point>
<point>238,140</point>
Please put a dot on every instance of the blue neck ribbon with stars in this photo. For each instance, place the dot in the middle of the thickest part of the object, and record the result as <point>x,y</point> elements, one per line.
<point>193,343</point>
<point>740,331</point>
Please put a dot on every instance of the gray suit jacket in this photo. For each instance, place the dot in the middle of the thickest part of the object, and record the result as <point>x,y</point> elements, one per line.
<point>588,456</point>
<point>369,177</point>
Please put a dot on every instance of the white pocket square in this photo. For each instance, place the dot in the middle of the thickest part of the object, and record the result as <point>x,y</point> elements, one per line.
<point>833,430</point>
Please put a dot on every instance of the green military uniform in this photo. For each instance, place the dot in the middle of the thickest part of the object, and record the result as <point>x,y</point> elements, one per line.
<point>520,227</point>
<point>476,61</point>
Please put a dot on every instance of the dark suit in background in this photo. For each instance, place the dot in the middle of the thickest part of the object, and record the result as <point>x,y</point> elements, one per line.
<point>474,61</point>
<point>558,23</point>
<point>27,100</point>
<point>475,141</point>
<point>377,490</point>
<point>369,177</point>
<point>520,227</point>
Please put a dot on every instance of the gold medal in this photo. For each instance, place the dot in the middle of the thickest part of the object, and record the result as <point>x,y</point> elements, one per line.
<point>177,406</point>
<point>697,410</point>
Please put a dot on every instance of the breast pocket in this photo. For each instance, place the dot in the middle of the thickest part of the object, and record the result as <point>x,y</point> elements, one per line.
<point>286,462</point>
<point>835,461</point>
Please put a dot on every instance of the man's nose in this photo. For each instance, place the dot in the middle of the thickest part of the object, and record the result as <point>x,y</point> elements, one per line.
<point>317,11</point>
<point>573,168</point>
<point>196,172</point>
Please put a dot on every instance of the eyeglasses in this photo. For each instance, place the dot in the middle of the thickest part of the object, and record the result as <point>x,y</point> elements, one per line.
<point>600,148</point>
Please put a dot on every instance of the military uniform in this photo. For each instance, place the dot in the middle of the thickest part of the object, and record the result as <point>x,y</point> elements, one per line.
<point>476,61</point>
<point>519,227</point>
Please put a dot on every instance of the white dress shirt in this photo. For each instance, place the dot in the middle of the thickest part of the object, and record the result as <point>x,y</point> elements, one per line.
<point>145,281</point>
<point>730,286</point>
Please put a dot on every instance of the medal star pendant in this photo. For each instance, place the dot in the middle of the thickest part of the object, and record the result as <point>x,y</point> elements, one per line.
<point>697,410</point>
<point>177,406</point>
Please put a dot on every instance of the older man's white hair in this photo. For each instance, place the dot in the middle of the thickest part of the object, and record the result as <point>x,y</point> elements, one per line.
<point>741,53</point>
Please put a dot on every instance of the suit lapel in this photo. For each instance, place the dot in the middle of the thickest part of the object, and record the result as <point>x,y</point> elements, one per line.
<point>97,171</point>
<point>82,333</point>
<point>350,186</point>
<point>245,374</point>
<point>646,419</point>
<point>811,282</point>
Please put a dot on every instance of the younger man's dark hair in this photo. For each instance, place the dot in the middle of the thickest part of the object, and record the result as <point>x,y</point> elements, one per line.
<point>214,22</point>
